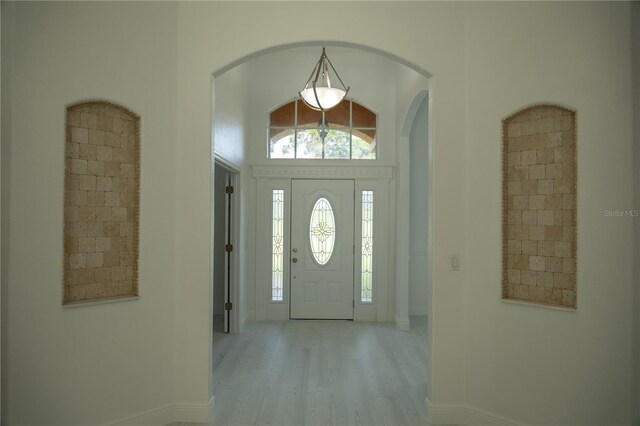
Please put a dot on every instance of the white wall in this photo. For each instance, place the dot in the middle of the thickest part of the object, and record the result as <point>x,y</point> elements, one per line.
<point>6,40</point>
<point>635,57</point>
<point>275,78</point>
<point>231,106</point>
<point>183,224</point>
<point>418,187</point>
<point>230,111</point>
<point>411,88</point>
<point>487,60</point>
<point>203,29</point>
<point>538,365</point>
<point>95,363</point>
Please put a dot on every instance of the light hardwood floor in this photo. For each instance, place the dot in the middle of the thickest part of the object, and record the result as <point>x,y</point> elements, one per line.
<point>321,373</point>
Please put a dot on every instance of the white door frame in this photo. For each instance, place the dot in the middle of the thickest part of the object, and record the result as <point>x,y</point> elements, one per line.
<point>235,315</point>
<point>376,178</point>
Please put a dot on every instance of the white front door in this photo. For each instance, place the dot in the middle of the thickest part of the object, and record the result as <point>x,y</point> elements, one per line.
<point>322,249</point>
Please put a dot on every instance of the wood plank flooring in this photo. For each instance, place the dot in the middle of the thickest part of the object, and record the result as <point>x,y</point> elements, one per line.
<point>321,373</point>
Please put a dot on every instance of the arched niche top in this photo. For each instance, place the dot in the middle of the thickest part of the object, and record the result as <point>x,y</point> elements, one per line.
<point>539,206</point>
<point>101,202</point>
<point>546,109</point>
<point>97,106</point>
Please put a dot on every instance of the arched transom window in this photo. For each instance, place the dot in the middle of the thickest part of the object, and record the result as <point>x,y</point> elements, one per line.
<point>347,131</point>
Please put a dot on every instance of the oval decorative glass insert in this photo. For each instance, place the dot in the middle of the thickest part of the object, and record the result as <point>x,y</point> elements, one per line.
<point>322,231</point>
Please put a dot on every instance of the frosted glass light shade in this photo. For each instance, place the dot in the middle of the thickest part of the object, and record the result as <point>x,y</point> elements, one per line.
<point>328,97</point>
<point>319,93</point>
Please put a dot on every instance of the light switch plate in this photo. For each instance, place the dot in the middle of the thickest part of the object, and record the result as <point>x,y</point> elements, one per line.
<point>454,262</point>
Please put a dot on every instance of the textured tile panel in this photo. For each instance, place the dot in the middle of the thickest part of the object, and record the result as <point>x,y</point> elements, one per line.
<point>101,199</point>
<point>539,206</point>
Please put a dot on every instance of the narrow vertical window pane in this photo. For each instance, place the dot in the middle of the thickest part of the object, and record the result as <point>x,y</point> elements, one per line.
<point>366,292</point>
<point>277,248</point>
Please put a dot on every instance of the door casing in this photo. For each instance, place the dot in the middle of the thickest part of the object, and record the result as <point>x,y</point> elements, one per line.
<point>375,178</point>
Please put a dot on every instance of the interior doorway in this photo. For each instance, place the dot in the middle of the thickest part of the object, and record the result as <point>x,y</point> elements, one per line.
<point>224,252</point>
<point>239,134</point>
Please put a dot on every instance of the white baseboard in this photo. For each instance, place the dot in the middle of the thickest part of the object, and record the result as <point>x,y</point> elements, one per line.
<point>403,324</point>
<point>460,414</point>
<point>418,310</point>
<point>157,416</point>
<point>192,413</point>
<point>170,413</point>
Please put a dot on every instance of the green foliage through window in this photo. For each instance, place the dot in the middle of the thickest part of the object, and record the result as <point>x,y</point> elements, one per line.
<point>295,131</point>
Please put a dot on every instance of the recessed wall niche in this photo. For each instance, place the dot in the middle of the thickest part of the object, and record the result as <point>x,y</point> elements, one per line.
<point>539,206</point>
<point>101,202</point>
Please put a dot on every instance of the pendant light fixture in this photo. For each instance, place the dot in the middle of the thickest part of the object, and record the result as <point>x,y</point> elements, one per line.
<point>318,93</point>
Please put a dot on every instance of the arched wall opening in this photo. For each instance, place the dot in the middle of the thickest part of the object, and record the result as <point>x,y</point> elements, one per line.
<point>246,90</point>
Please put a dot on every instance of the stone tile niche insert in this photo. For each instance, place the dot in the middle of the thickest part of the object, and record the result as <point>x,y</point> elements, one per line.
<point>101,202</point>
<point>539,206</point>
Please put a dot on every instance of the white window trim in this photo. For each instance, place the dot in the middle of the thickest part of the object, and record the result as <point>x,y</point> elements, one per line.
<point>296,128</point>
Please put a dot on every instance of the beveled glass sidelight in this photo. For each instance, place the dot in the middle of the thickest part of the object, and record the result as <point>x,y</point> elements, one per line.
<point>277,245</point>
<point>322,231</point>
<point>366,290</point>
